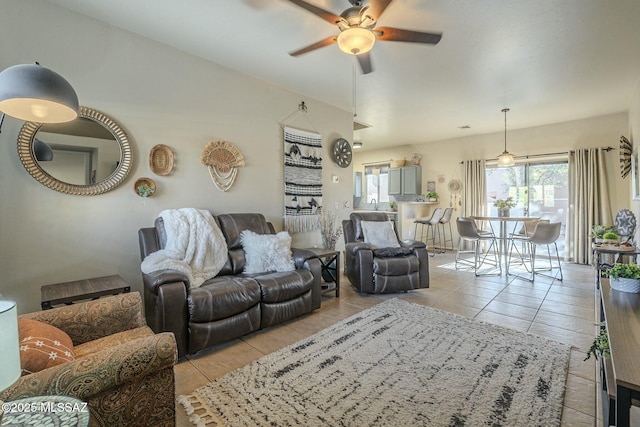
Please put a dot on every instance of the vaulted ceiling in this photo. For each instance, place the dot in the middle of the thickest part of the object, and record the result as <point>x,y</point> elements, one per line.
<point>548,60</point>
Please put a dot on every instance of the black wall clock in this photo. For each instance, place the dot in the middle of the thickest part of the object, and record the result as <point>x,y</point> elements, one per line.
<point>342,152</point>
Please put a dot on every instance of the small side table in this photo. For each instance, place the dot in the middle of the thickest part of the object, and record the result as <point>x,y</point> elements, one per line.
<point>330,263</point>
<point>617,254</point>
<point>69,292</point>
<point>46,411</point>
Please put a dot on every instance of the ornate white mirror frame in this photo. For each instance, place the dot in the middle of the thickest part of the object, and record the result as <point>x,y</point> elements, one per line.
<point>26,139</point>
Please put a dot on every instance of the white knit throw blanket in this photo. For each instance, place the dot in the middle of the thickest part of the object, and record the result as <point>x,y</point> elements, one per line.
<point>195,246</point>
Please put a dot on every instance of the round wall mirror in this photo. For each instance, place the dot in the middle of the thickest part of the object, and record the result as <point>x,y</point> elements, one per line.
<point>86,156</point>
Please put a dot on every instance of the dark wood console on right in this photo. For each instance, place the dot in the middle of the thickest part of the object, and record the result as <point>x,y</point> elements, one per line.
<point>621,313</point>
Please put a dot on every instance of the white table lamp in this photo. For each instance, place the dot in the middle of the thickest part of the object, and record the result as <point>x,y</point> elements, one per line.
<point>9,343</point>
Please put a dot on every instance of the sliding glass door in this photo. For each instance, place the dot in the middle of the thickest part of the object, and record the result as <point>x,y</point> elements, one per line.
<point>538,189</point>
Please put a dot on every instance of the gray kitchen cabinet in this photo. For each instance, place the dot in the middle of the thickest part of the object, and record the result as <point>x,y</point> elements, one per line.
<point>406,180</point>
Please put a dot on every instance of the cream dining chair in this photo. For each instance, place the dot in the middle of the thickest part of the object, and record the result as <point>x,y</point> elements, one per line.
<point>545,234</point>
<point>468,232</point>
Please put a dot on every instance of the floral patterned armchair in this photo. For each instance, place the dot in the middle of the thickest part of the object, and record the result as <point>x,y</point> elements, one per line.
<point>121,369</point>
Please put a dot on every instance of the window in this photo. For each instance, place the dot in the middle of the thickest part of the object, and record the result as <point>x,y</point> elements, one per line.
<point>377,182</point>
<point>539,189</point>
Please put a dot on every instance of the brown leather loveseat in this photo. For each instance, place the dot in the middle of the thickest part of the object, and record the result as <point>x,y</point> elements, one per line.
<point>231,304</point>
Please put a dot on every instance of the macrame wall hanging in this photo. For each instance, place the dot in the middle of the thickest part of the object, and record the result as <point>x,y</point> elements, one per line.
<point>455,192</point>
<point>626,149</point>
<point>302,176</point>
<point>223,160</point>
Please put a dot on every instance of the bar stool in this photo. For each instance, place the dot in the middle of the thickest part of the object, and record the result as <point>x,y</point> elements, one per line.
<point>432,228</point>
<point>467,231</point>
<point>446,219</point>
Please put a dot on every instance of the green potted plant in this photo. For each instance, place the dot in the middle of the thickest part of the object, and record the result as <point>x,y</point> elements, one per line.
<point>504,205</point>
<point>624,277</point>
<point>598,231</point>
<point>144,190</point>
<point>600,345</point>
<point>144,187</point>
<point>610,237</point>
<point>393,205</point>
<point>431,196</point>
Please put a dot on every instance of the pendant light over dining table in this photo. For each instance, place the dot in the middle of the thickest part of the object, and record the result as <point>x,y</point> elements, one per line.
<point>34,93</point>
<point>506,159</point>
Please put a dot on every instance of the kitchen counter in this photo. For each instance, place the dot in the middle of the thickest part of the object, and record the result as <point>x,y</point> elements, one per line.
<point>419,203</point>
<point>393,215</point>
<point>374,211</point>
<point>407,214</point>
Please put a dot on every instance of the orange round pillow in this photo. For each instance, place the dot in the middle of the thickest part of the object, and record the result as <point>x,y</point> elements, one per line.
<point>42,346</point>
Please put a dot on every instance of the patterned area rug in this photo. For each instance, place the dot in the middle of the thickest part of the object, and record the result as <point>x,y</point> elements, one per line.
<point>395,364</point>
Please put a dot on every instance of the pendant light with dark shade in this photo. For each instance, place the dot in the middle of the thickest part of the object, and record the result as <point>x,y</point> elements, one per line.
<point>506,159</point>
<point>34,93</point>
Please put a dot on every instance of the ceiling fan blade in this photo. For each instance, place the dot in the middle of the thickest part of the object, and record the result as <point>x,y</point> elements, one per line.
<point>317,45</point>
<point>327,16</point>
<point>365,63</point>
<point>399,35</point>
<point>377,7</point>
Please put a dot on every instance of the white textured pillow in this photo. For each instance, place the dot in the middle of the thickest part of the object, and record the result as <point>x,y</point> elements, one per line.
<point>379,234</point>
<point>266,252</point>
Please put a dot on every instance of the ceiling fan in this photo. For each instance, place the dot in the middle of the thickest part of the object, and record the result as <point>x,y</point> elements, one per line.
<point>358,32</point>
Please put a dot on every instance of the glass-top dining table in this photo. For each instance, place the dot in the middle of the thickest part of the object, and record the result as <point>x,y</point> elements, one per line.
<point>503,236</point>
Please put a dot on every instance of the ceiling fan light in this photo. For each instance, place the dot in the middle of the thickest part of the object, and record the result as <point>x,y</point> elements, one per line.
<point>506,160</point>
<point>356,40</point>
<point>34,93</point>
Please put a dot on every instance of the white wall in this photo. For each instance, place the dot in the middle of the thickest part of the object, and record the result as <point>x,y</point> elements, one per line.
<point>634,115</point>
<point>443,158</point>
<point>159,96</point>
<point>634,133</point>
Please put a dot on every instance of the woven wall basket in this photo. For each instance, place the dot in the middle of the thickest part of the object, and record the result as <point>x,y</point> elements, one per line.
<point>161,160</point>
<point>145,181</point>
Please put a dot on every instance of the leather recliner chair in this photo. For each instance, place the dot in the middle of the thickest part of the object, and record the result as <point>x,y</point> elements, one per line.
<point>383,270</point>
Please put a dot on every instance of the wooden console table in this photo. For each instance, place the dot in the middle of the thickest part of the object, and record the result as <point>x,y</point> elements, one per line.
<point>69,292</point>
<point>621,312</point>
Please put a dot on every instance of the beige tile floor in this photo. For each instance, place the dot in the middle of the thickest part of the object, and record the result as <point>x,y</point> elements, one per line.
<point>561,311</point>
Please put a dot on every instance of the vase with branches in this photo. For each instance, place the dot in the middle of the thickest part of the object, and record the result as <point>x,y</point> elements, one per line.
<point>328,229</point>
<point>504,205</point>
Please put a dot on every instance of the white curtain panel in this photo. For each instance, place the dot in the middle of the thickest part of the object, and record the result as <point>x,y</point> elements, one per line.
<point>475,188</point>
<point>475,191</point>
<point>588,202</point>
